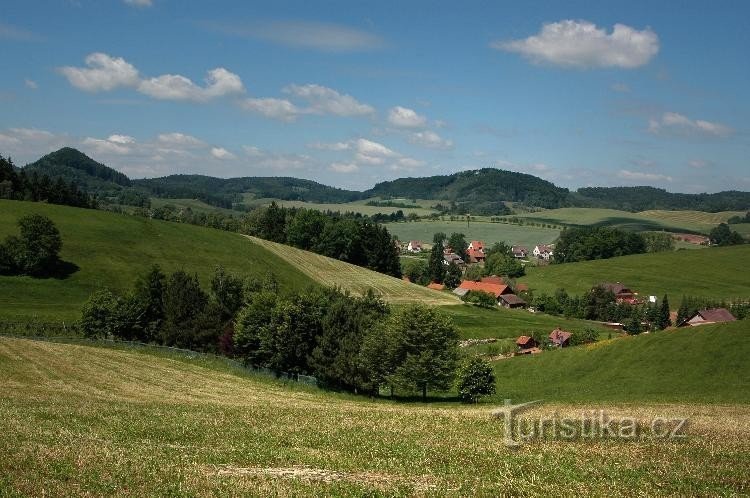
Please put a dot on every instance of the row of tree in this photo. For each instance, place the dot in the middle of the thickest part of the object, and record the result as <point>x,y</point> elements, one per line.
<point>17,185</point>
<point>587,243</point>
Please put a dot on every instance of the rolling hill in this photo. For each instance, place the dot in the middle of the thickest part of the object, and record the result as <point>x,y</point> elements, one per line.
<point>73,165</point>
<point>716,273</point>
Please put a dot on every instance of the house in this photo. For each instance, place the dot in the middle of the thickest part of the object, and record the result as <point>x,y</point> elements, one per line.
<point>543,251</point>
<point>435,286</point>
<point>450,257</point>
<point>511,301</point>
<point>475,251</point>
<point>622,293</point>
<point>414,246</point>
<point>527,345</point>
<point>519,252</point>
<point>493,279</point>
<point>708,316</point>
<point>496,290</point>
<point>560,338</point>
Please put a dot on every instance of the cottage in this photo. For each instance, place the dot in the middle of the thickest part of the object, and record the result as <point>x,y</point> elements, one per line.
<point>560,338</point>
<point>622,293</point>
<point>519,252</point>
<point>414,246</point>
<point>450,257</point>
<point>708,316</point>
<point>527,345</point>
<point>543,251</point>
<point>496,290</point>
<point>475,251</point>
<point>511,301</point>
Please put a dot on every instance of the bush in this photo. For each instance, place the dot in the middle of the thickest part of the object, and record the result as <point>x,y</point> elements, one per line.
<point>480,298</point>
<point>100,316</point>
<point>475,379</point>
<point>36,251</point>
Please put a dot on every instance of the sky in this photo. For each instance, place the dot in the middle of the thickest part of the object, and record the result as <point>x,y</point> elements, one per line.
<point>353,93</point>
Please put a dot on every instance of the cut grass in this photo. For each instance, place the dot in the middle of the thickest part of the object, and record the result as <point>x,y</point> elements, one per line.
<point>487,232</point>
<point>716,273</point>
<point>355,279</point>
<point>112,250</point>
<point>79,420</point>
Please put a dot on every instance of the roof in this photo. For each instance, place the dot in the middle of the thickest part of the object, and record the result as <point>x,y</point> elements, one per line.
<point>415,243</point>
<point>524,339</point>
<point>559,336</point>
<point>716,315</point>
<point>512,299</point>
<point>544,248</point>
<point>460,292</point>
<point>519,248</point>
<point>477,244</point>
<point>435,286</point>
<point>495,289</point>
<point>493,279</point>
<point>616,288</point>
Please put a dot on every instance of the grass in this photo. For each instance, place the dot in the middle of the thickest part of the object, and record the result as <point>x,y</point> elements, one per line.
<point>717,273</point>
<point>81,420</point>
<point>111,250</point>
<point>708,364</point>
<point>675,221</point>
<point>355,279</point>
<point>487,232</point>
<point>354,207</point>
<point>194,204</point>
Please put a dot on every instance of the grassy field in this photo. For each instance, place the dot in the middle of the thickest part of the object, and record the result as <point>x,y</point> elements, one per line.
<point>717,272</point>
<point>676,221</point>
<point>487,232</point>
<point>354,207</point>
<point>194,204</point>
<point>742,228</point>
<point>356,279</point>
<point>79,420</point>
<point>708,364</point>
<point>111,250</point>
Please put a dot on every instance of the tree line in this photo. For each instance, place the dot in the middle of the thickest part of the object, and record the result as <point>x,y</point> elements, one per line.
<point>18,185</point>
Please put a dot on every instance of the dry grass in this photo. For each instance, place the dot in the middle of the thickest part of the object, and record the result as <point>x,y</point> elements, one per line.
<point>79,420</point>
<point>356,279</point>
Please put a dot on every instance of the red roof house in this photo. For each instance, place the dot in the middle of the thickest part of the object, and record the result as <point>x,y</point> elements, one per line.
<point>560,338</point>
<point>496,290</point>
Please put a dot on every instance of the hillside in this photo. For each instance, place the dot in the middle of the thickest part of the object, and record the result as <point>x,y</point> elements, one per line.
<point>649,198</point>
<point>102,421</point>
<point>645,368</point>
<point>75,166</point>
<point>717,273</point>
<point>112,250</point>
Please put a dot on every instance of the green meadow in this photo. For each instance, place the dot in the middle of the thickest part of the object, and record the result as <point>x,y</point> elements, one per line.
<point>352,207</point>
<point>487,232</point>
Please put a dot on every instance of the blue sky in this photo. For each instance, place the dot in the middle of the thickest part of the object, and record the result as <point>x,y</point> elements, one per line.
<point>352,93</point>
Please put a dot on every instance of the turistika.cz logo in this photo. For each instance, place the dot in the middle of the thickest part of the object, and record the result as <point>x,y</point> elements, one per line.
<point>592,424</point>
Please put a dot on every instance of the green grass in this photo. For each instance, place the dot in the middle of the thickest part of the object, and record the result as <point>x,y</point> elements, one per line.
<point>742,228</point>
<point>194,204</point>
<point>707,364</point>
<point>354,207</point>
<point>717,273</point>
<point>80,420</point>
<point>487,232</point>
<point>113,249</point>
<point>675,221</point>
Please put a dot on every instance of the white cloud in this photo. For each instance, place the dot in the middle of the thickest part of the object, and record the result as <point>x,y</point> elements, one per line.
<point>582,44</point>
<point>104,73</point>
<point>404,117</point>
<point>252,151</point>
<point>672,122</point>
<point>699,163</point>
<point>373,153</point>
<point>30,84</point>
<point>121,139</point>
<point>336,146</point>
<point>344,167</point>
<point>18,34</point>
<point>179,140</point>
<point>324,100</point>
<point>305,34</point>
<point>409,163</point>
<point>115,144</point>
<point>221,153</point>
<point>219,83</point>
<point>139,3</point>
<point>430,139</point>
<point>280,109</point>
<point>641,176</point>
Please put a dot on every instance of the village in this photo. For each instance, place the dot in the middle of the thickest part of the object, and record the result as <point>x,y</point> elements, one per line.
<point>506,293</point>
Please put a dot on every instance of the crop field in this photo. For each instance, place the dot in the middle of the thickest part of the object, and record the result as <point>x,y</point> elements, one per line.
<point>354,207</point>
<point>487,232</point>
<point>112,250</point>
<point>355,279</point>
<point>691,221</point>
<point>716,272</point>
<point>81,420</point>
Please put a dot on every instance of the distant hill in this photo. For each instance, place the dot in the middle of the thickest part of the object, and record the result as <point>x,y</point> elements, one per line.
<point>73,165</point>
<point>636,199</point>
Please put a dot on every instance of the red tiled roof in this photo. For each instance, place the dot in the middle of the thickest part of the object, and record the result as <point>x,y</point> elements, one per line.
<point>523,340</point>
<point>494,289</point>
<point>494,279</point>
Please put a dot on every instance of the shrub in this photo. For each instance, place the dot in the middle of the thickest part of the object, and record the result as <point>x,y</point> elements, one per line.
<point>475,379</point>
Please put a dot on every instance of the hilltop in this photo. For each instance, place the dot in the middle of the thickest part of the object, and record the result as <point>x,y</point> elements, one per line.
<point>74,166</point>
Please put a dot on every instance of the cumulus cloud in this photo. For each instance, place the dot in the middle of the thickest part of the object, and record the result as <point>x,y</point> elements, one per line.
<point>305,34</point>
<point>15,33</point>
<point>344,167</point>
<point>675,123</point>
<point>364,152</point>
<point>179,139</point>
<point>337,146</point>
<point>324,100</point>
<point>642,176</point>
<point>582,44</point>
<point>430,139</point>
<point>280,109</point>
<point>403,117</point>
<point>262,159</point>
<point>221,153</point>
<point>114,144</point>
<point>104,73</point>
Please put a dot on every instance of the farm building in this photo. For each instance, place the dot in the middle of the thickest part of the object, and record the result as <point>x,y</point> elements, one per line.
<point>414,246</point>
<point>623,294</point>
<point>527,345</point>
<point>519,252</point>
<point>543,251</point>
<point>450,257</point>
<point>496,290</point>
<point>560,338</point>
<point>493,279</point>
<point>511,301</point>
<point>475,252</point>
<point>708,316</point>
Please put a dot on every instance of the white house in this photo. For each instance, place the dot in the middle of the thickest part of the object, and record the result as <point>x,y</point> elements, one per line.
<point>414,246</point>
<point>543,251</point>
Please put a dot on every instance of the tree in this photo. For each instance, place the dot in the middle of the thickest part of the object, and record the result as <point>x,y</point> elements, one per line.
<point>148,299</point>
<point>253,334</point>
<point>633,325</point>
<point>588,243</point>
<point>425,352</point>
<point>453,276</point>
<point>498,248</point>
<point>503,264</point>
<point>306,228</point>
<point>100,315</point>
<point>480,298</point>
<point>435,267</point>
<point>457,243</point>
<point>474,272</point>
<point>722,235</point>
<point>228,292</point>
<point>36,251</point>
<point>184,303</point>
<point>475,379</point>
<point>664,320</point>
<point>416,271</point>
<point>658,242</point>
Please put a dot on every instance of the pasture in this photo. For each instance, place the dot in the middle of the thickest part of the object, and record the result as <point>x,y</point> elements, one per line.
<point>352,207</point>
<point>716,273</point>
<point>487,232</point>
<point>112,250</point>
<point>355,279</point>
<point>194,204</point>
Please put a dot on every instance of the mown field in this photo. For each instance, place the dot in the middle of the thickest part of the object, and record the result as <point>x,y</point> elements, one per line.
<point>485,231</point>
<point>353,207</point>
<point>80,420</point>
<point>355,279</point>
<point>717,272</point>
<point>675,221</point>
<point>111,250</point>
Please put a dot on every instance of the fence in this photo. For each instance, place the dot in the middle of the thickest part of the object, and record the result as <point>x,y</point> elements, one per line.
<point>184,353</point>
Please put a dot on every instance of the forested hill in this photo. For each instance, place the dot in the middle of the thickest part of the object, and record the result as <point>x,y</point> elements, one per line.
<point>73,165</point>
<point>645,198</point>
<point>477,186</point>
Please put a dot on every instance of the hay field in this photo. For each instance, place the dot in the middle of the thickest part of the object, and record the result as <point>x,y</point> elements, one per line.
<point>80,420</point>
<point>355,279</point>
